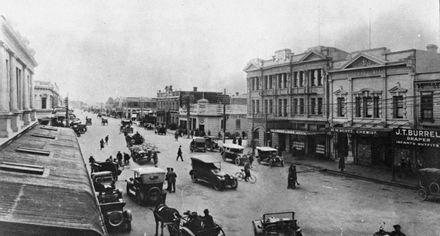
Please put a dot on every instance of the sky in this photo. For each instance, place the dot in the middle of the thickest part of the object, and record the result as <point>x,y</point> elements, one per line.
<point>95,49</point>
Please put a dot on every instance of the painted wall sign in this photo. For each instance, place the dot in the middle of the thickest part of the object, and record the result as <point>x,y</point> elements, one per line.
<point>417,137</point>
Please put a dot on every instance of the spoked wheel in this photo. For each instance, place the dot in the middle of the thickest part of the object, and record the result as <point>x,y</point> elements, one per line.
<point>220,231</point>
<point>434,187</point>
<point>422,194</point>
<point>239,176</point>
<point>252,179</point>
<point>217,186</point>
<point>237,161</point>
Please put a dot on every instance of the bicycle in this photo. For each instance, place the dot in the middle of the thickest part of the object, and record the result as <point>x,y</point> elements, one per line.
<point>241,176</point>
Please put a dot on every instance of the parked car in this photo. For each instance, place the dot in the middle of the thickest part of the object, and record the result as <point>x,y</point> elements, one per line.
<point>268,155</point>
<point>144,153</point>
<point>115,216</point>
<point>208,169</point>
<point>147,185</point>
<point>281,223</point>
<point>126,126</point>
<point>233,152</point>
<point>211,143</point>
<point>198,144</point>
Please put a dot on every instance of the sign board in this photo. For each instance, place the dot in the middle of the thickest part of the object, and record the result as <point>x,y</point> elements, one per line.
<point>417,137</point>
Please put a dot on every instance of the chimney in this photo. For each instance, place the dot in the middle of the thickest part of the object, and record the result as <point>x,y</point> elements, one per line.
<point>431,48</point>
<point>194,89</point>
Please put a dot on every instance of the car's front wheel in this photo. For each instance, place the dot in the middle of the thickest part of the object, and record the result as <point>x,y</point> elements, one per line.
<point>217,186</point>
<point>237,161</point>
<point>234,184</point>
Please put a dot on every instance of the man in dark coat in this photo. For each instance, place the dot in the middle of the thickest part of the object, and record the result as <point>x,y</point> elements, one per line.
<point>167,178</point>
<point>234,140</point>
<point>101,144</point>
<point>179,153</point>
<point>126,158</point>
<point>119,157</point>
<point>396,231</point>
<point>342,163</point>
<point>208,221</point>
<point>172,178</point>
<point>240,141</point>
<point>292,179</point>
<point>106,139</point>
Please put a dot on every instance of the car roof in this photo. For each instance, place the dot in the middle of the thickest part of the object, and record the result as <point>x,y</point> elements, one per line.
<point>149,170</point>
<point>199,139</point>
<point>266,149</point>
<point>205,158</point>
<point>102,173</point>
<point>231,145</point>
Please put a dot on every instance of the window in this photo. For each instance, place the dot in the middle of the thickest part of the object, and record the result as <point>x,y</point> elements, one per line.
<point>253,106</point>
<point>257,83</point>
<point>257,104</point>
<point>280,80</point>
<point>319,106</point>
<point>265,106</point>
<point>376,107</point>
<point>270,81</point>
<point>295,79</point>
<point>319,78</point>
<point>427,106</point>
<point>312,77</point>
<point>301,106</point>
<point>312,106</point>
<point>270,106</point>
<point>295,106</point>
<point>397,106</point>
<point>43,103</point>
<point>358,106</point>
<point>280,107</point>
<point>301,78</point>
<point>237,124</point>
<point>285,107</point>
<point>285,80</point>
<point>266,82</point>
<point>251,80</point>
<point>368,106</point>
<point>341,106</point>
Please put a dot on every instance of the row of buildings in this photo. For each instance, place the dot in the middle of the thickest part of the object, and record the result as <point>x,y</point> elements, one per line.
<point>372,107</point>
<point>198,110</point>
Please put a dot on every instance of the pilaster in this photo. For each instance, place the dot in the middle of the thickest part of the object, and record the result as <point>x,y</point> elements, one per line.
<point>13,82</point>
<point>4,88</point>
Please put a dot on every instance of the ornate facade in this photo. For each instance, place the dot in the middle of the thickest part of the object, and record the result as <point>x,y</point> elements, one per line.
<point>17,65</point>
<point>46,97</point>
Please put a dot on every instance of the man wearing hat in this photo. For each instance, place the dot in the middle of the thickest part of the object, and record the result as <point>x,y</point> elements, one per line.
<point>207,219</point>
<point>397,231</point>
<point>179,153</point>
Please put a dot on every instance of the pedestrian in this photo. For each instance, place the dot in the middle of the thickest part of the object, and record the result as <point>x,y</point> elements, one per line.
<point>192,133</point>
<point>179,153</point>
<point>208,221</point>
<point>176,136</point>
<point>209,132</point>
<point>397,231</point>
<point>92,160</point>
<point>251,159</point>
<point>172,178</point>
<point>126,158</point>
<point>106,139</point>
<point>243,134</point>
<point>119,157</point>
<point>219,135</point>
<point>292,178</point>
<point>234,140</point>
<point>167,178</point>
<point>239,141</point>
<point>247,171</point>
<point>342,163</point>
<point>101,144</point>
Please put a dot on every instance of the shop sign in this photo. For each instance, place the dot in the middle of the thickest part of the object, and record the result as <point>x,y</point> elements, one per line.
<point>342,130</point>
<point>417,137</point>
<point>366,132</point>
<point>289,131</point>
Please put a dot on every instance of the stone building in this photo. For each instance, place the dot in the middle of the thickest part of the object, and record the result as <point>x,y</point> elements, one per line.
<point>17,65</point>
<point>376,92</point>
<point>170,101</point>
<point>135,107</point>
<point>46,97</point>
<point>287,100</point>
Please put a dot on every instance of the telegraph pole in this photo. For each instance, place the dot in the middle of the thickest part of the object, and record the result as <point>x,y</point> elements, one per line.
<point>224,121</point>
<point>66,101</point>
<point>188,115</point>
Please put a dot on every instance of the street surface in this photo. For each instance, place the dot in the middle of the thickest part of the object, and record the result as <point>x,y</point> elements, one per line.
<point>324,204</point>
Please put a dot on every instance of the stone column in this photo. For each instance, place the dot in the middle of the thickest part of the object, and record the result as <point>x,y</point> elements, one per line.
<point>26,114</point>
<point>13,92</point>
<point>31,97</point>
<point>4,92</point>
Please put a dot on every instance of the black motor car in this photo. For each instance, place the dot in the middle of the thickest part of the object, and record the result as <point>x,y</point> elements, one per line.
<point>198,144</point>
<point>279,223</point>
<point>208,169</point>
<point>147,185</point>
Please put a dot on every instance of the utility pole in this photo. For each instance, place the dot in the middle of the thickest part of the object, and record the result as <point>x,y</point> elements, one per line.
<point>66,101</point>
<point>224,121</point>
<point>188,115</point>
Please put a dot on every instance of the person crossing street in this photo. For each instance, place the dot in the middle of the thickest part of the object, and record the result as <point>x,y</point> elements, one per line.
<point>179,153</point>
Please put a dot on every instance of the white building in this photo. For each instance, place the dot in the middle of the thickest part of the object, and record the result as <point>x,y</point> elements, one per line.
<point>46,97</point>
<point>17,65</point>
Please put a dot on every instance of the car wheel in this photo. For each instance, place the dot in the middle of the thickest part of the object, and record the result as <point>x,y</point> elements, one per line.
<point>237,161</point>
<point>217,186</point>
<point>234,184</point>
<point>421,193</point>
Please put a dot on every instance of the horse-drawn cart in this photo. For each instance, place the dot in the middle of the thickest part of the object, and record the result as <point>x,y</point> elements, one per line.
<point>429,183</point>
<point>144,153</point>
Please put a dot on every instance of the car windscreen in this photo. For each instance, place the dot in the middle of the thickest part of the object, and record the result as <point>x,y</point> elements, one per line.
<point>236,150</point>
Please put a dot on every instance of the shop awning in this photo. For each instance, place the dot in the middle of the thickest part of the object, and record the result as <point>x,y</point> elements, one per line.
<point>297,132</point>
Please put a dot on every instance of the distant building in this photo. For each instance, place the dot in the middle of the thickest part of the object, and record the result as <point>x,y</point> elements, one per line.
<point>46,97</point>
<point>208,117</point>
<point>135,107</point>
<point>169,102</point>
<point>17,65</point>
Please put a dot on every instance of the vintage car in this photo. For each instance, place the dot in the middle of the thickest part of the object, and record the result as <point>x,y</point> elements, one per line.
<point>144,153</point>
<point>198,144</point>
<point>161,130</point>
<point>233,152</point>
<point>115,216</point>
<point>208,169</point>
<point>268,155</point>
<point>192,224</point>
<point>429,183</point>
<point>282,223</point>
<point>135,139</point>
<point>126,126</point>
<point>106,166</point>
<point>211,143</point>
<point>147,185</point>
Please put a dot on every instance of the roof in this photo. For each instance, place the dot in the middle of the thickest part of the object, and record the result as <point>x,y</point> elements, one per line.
<point>149,170</point>
<point>266,149</point>
<point>50,194</point>
<point>205,158</point>
<point>231,145</point>
<point>199,139</point>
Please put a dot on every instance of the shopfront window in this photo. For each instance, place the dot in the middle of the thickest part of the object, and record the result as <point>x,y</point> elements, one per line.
<point>427,106</point>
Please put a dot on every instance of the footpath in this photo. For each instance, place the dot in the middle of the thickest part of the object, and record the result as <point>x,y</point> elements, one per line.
<point>373,174</point>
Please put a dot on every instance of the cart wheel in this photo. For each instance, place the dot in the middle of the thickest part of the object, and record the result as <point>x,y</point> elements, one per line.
<point>434,188</point>
<point>422,194</point>
<point>237,161</point>
<point>252,179</point>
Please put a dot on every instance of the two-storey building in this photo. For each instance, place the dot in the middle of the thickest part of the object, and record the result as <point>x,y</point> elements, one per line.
<point>287,100</point>
<point>46,97</point>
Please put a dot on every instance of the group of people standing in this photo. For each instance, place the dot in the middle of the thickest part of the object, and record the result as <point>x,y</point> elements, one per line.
<point>171,177</point>
<point>103,141</point>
